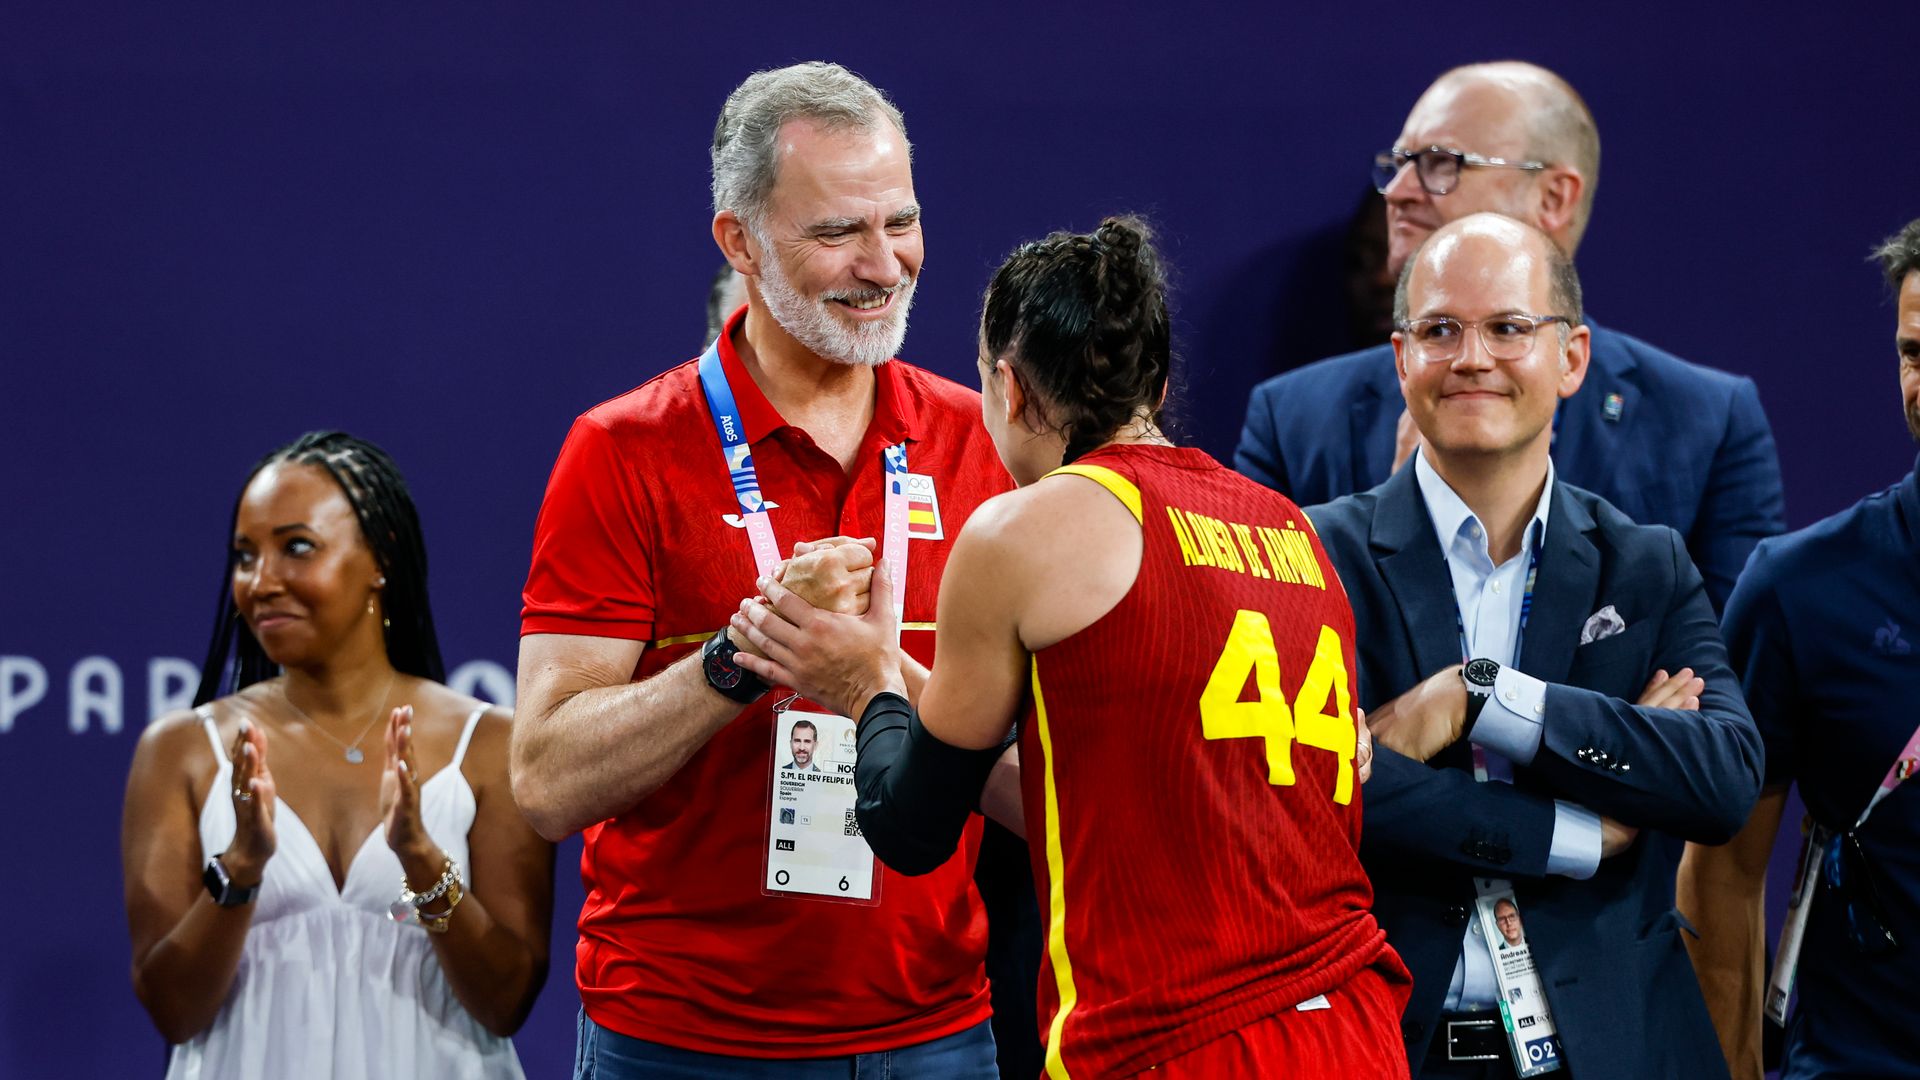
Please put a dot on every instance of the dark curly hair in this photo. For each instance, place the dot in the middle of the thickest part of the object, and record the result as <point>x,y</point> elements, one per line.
<point>1083,321</point>
<point>391,528</point>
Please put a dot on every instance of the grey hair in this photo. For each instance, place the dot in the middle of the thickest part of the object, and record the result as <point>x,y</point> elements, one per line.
<point>1563,281</point>
<point>1899,254</point>
<point>746,137</point>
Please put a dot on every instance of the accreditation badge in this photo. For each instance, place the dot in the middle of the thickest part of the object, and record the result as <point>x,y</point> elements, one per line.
<point>1793,929</point>
<point>815,849</point>
<point>1531,1034</point>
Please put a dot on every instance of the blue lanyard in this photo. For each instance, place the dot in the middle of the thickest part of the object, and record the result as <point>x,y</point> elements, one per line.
<point>732,431</point>
<point>738,452</point>
<point>1526,601</point>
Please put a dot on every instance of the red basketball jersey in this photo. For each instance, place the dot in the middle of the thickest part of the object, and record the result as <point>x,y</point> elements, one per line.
<point>1187,765</point>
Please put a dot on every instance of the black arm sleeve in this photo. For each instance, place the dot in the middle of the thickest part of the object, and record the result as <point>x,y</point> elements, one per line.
<point>915,792</point>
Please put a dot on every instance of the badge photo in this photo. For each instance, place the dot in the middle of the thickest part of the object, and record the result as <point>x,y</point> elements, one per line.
<point>814,847</point>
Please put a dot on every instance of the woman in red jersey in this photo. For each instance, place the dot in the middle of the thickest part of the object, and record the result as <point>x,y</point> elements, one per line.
<point>1178,655</point>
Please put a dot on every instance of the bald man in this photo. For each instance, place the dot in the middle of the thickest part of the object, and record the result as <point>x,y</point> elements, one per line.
<point>1664,441</point>
<point>1595,683</point>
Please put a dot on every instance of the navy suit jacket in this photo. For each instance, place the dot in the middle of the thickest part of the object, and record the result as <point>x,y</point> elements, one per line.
<point>1689,446</point>
<point>1615,970</point>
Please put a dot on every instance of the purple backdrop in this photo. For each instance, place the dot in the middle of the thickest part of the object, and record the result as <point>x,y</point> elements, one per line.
<point>452,235</point>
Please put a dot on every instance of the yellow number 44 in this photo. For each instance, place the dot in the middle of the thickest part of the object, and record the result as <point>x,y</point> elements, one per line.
<point>1223,715</point>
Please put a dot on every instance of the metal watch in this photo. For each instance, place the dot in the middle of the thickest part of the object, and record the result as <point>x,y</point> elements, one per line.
<point>730,679</point>
<point>1479,675</point>
<point>220,884</point>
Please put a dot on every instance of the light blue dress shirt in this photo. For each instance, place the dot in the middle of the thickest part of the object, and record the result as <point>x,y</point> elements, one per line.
<point>1510,725</point>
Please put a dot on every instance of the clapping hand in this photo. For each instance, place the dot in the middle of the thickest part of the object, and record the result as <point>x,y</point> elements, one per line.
<point>254,796</point>
<point>400,802</point>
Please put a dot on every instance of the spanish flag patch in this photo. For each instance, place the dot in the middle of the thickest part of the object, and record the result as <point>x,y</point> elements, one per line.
<point>923,509</point>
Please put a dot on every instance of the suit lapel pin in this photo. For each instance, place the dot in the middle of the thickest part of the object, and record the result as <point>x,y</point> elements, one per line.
<point>1615,404</point>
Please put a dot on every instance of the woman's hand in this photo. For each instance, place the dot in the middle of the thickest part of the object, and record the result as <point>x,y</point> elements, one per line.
<point>419,856</point>
<point>253,795</point>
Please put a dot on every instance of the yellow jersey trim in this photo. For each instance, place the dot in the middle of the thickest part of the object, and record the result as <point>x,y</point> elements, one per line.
<point>1122,488</point>
<point>1056,1066</point>
<point>688,639</point>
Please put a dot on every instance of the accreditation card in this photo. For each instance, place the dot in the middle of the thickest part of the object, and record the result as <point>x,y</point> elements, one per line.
<point>1531,1034</point>
<point>815,848</point>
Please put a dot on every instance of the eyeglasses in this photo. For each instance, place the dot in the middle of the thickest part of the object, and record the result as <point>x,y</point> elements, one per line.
<point>1438,167</point>
<point>1505,337</point>
<point>1848,874</point>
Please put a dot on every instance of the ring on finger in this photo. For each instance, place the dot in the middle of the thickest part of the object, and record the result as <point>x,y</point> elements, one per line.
<point>242,795</point>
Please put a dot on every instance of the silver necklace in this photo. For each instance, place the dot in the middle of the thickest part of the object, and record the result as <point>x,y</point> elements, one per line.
<point>352,749</point>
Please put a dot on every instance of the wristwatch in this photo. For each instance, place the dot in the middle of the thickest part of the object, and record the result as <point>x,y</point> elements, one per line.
<point>1479,676</point>
<point>729,678</point>
<point>225,892</point>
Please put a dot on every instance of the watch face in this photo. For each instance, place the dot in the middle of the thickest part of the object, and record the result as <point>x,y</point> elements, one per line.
<point>1482,672</point>
<point>723,674</point>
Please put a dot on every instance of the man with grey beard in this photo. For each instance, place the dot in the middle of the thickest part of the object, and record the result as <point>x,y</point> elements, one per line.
<point>736,924</point>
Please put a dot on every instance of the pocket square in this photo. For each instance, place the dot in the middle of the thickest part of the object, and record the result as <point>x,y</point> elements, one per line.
<point>1602,624</point>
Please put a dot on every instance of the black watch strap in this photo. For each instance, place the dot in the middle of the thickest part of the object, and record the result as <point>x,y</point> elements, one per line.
<point>1479,675</point>
<point>220,885</point>
<point>1476,701</point>
<point>729,678</point>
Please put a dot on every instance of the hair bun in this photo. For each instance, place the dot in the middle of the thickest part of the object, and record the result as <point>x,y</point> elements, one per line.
<point>1122,237</point>
<point>1083,318</point>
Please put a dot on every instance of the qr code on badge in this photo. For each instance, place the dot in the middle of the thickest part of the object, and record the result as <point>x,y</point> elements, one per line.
<point>852,827</point>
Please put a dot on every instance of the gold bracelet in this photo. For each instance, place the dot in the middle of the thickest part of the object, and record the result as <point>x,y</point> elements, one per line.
<point>436,922</point>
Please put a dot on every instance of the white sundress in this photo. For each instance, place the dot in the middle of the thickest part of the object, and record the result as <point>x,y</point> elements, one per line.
<point>329,987</point>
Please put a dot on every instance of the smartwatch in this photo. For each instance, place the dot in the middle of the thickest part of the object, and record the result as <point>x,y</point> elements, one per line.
<point>730,679</point>
<point>1479,676</point>
<point>225,892</point>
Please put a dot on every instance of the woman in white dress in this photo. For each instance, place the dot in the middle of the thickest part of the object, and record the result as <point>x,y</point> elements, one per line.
<point>270,857</point>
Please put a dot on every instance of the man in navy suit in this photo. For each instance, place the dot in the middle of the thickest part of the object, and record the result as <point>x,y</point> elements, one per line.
<point>1665,441</point>
<point>1598,687</point>
<point>1822,629</point>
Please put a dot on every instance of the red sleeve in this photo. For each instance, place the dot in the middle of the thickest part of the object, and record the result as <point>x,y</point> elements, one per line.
<point>592,546</point>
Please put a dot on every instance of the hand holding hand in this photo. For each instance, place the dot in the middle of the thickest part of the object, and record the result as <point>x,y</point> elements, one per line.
<point>1426,719</point>
<point>254,796</point>
<point>834,574</point>
<point>834,659</point>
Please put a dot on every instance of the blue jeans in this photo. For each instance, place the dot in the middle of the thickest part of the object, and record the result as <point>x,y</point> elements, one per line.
<point>609,1055</point>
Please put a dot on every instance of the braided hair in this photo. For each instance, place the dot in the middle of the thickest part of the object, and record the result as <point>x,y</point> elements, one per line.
<point>391,528</point>
<point>1083,320</point>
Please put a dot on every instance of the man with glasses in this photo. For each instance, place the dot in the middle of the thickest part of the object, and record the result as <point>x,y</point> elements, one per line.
<point>1823,629</point>
<point>1512,627</point>
<point>1665,441</point>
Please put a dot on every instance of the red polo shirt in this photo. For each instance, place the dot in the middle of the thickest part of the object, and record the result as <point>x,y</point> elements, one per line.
<point>678,943</point>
